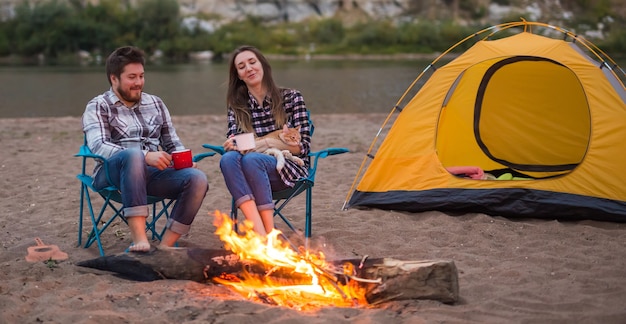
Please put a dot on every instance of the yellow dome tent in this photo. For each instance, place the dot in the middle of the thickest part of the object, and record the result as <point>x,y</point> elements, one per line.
<point>524,125</point>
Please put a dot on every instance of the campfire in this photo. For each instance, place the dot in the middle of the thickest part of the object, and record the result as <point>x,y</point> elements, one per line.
<point>271,270</point>
<point>277,273</point>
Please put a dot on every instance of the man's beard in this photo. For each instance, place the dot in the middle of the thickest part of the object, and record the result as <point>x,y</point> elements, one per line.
<point>127,96</point>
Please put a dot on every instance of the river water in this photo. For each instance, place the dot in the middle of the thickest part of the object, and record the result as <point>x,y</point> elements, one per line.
<point>328,86</point>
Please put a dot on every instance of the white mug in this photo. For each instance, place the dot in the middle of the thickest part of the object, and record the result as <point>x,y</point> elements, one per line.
<point>245,141</point>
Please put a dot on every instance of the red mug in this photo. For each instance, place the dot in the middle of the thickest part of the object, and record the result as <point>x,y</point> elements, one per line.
<point>182,159</point>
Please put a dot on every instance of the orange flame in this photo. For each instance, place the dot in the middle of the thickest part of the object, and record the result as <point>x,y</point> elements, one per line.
<point>297,279</point>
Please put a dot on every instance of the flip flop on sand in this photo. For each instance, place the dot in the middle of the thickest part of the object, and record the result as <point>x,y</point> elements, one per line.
<point>139,247</point>
<point>42,252</point>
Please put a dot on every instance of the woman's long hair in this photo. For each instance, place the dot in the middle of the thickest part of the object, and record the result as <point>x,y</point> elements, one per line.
<point>237,95</point>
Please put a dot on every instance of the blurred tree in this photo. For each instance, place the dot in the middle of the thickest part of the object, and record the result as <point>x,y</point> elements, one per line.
<point>5,37</point>
<point>250,31</point>
<point>372,37</point>
<point>58,28</point>
<point>327,31</point>
<point>43,28</point>
<point>158,22</point>
<point>106,26</point>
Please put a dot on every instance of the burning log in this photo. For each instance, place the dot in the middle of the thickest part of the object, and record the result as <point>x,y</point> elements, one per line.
<point>381,279</point>
<point>435,279</point>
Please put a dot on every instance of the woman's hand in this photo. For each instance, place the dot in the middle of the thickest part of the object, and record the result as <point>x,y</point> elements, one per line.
<point>229,145</point>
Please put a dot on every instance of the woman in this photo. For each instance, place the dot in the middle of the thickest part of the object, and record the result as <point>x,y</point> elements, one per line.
<point>257,105</point>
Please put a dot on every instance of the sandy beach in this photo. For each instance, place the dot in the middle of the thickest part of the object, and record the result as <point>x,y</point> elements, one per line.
<point>510,270</point>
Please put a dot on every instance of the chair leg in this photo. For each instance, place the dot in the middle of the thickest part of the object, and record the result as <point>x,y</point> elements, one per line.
<point>277,211</point>
<point>233,215</point>
<point>96,230</point>
<point>80,214</point>
<point>309,209</point>
<point>151,222</point>
<point>95,233</point>
<point>151,225</point>
<point>279,205</point>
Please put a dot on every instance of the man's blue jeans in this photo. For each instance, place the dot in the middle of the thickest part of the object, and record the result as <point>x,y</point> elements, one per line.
<point>136,180</point>
<point>251,176</point>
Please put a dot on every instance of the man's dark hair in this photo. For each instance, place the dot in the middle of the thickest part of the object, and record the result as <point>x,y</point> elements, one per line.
<point>117,61</point>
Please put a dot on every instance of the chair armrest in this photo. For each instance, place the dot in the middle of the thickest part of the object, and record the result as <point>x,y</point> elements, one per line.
<point>85,152</point>
<point>219,149</point>
<point>323,154</point>
<point>329,151</point>
<point>199,157</point>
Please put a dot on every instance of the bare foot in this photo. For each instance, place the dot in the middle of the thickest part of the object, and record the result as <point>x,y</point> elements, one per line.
<point>139,247</point>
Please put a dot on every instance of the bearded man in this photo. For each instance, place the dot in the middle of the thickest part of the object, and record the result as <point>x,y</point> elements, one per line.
<point>133,130</point>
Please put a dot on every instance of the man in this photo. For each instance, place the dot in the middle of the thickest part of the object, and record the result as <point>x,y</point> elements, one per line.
<point>134,132</point>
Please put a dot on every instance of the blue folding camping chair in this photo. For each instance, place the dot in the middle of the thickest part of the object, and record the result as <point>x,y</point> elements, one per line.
<point>282,198</point>
<point>111,207</point>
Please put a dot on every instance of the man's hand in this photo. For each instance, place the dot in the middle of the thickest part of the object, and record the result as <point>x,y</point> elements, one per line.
<point>159,159</point>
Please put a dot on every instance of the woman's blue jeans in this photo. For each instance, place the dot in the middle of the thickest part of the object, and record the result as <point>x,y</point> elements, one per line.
<point>251,176</point>
<point>136,180</point>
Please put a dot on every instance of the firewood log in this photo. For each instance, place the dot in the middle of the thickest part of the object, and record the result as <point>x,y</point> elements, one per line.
<point>397,279</point>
